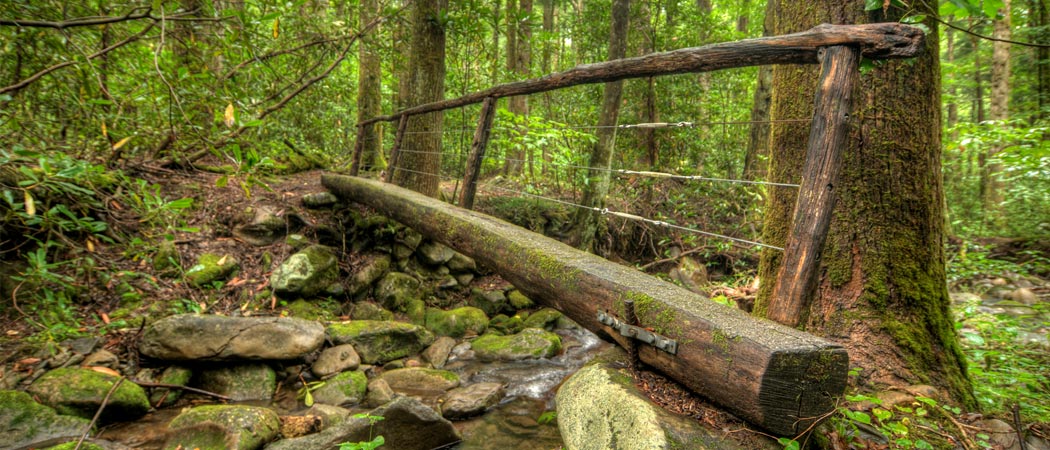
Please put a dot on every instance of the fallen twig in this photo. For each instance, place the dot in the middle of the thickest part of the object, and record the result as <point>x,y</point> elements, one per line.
<point>98,413</point>
<point>185,388</point>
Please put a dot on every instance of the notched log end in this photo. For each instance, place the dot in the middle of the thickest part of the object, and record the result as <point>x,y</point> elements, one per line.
<point>882,40</point>
<point>800,387</point>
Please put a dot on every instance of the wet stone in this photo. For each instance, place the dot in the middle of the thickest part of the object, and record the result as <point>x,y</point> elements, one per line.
<point>336,359</point>
<point>240,382</point>
<point>194,337</point>
<point>464,402</point>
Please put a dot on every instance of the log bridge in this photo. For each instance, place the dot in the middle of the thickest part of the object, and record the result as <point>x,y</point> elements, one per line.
<point>776,377</point>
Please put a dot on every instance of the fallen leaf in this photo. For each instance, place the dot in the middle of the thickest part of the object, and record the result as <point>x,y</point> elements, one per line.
<point>121,143</point>
<point>105,370</point>
<point>227,117</point>
<point>104,317</point>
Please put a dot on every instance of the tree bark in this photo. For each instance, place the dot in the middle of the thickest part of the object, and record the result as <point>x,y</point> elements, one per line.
<point>999,110</point>
<point>369,94</point>
<point>882,290</point>
<point>519,59</point>
<point>1039,18</point>
<point>420,169</point>
<point>587,226</point>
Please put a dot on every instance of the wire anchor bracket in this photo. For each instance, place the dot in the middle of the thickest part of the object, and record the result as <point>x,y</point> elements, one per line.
<point>635,332</point>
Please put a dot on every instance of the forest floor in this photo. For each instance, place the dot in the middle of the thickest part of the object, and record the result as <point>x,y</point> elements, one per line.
<point>1009,363</point>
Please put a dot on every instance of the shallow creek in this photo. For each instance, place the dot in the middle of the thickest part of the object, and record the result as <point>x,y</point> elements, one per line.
<point>513,424</point>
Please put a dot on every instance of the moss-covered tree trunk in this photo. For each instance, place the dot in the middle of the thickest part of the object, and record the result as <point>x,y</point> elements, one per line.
<point>420,168</point>
<point>882,291</point>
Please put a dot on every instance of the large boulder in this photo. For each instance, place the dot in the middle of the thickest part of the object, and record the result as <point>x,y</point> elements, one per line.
<point>25,422</point>
<point>532,343</point>
<point>396,290</point>
<point>306,273</point>
<point>457,322</point>
<point>240,382</point>
<point>80,392</point>
<point>406,424</point>
<point>378,342</point>
<point>236,427</point>
<point>195,337</point>
<point>600,409</point>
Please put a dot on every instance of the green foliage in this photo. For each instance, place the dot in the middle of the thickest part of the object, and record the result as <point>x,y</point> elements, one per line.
<point>371,444</point>
<point>305,393</point>
<point>547,417</point>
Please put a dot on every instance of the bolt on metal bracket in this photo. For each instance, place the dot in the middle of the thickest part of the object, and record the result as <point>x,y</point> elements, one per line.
<point>639,333</point>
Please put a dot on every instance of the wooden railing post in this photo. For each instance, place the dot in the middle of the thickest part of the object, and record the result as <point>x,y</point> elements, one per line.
<point>395,153</point>
<point>797,279</point>
<point>477,153</point>
<point>355,164</point>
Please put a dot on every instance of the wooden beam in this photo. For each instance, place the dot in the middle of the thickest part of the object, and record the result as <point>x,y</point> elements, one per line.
<point>477,153</point>
<point>395,153</point>
<point>797,278</point>
<point>776,377</point>
<point>876,41</point>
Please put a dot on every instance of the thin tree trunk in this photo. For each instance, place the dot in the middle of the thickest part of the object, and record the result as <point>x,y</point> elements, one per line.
<point>999,110</point>
<point>426,57</point>
<point>1039,19</point>
<point>548,50</point>
<point>648,135</point>
<point>519,58</point>
<point>587,226</point>
<point>882,291</point>
<point>758,141</point>
<point>369,79</point>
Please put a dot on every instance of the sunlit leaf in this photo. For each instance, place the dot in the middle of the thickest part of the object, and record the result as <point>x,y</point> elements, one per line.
<point>121,143</point>
<point>105,133</point>
<point>30,204</point>
<point>227,117</point>
<point>276,27</point>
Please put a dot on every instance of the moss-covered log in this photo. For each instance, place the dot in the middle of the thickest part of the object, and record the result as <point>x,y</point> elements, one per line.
<point>777,377</point>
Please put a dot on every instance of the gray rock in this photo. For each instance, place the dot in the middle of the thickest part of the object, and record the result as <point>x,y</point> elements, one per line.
<point>407,425</point>
<point>306,273</point>
<point>395,290</point>
<point>1024,295</point>
<point>492,302</point>
<point>1001,434</point>
<point>962,298</point>
<point>506,325</point>
<point>370,311</point>
<point>240,382</point>
<point>194,337</point>
<point>544,319</point>
<point>211,267</point>
<point>417,379</point>
<point>437,353</point>
<point>473,400</point>
<point>166,260</point>
<point>368,274</point>
<point>456,322</point>
<point>690,273</point>
<point>600,409</point>
<point>25,422</point>
<point>336,359</point>
<point>378,342</point>
<point>319,200</point>
<point>460,263</point>
<point>379,393</point>
<point>532,343</point>
<point>464,279</point>
<point>101,358</point>
<point>345,389</point>
<point>296,241</point>
<point>434,254</point>
<point>409,238</point>
<point>80,392</point>
<point>263,228</point>
<point>237,427</point>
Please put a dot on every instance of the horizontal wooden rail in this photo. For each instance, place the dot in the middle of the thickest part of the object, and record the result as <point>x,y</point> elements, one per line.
<point>776,377</point>
<point>876,41</point>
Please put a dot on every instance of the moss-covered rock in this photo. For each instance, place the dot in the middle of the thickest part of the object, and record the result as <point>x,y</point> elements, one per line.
<point>492,302</point>
<point>434,254</point>
<point>532,343</point>
<point>173,375</point>
<point>240,382</point>
<point>370,311</point>
<point>460,263</point>
<point>367,274</point>
<point>72,445</point>
<point>25,422</point>
<point>240,427</point>
<point>381,341</point>
<point>502,324</point>
<point>319,200</point>
<point>345,389</point>
<point>518,300</point>
<point>211,267</point>
<point>457,322</point>
<point>395,290</point>
<point>166,259</point>
<point>312,310</point>
<point>416,311</point>
<point>306,273</point>
<point>546,319</point>
<point>80,392</point>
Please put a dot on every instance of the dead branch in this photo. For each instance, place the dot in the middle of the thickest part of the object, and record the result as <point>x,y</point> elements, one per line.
<point>277,53</point>
<point>98,412</point>
<point>36,76</point>
<point>178,386</point>
<point>141,12</point>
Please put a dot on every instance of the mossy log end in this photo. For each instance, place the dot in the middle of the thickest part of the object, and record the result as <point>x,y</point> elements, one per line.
<point>776,377</point>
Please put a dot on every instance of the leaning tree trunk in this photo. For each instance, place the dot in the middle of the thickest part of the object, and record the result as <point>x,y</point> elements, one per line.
<point>419,169</point>
<point>882,291</point>
<point>586,223</point>
<point>368,87</point>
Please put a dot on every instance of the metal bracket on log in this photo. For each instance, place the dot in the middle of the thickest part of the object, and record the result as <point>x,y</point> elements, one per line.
<point>639,333</point>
